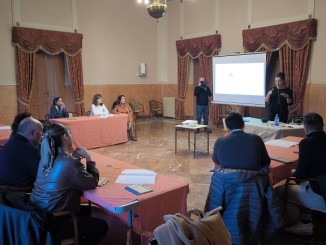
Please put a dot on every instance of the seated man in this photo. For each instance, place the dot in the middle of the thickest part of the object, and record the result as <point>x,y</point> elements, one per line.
<point>240,184</point>
<point>20,156</point>
<point>311,164</point>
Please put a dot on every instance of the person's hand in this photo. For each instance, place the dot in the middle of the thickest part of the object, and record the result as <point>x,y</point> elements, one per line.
<point>285,95</point>
<point>270,91</point>
<point>62,106</point>
<point>82,152</point>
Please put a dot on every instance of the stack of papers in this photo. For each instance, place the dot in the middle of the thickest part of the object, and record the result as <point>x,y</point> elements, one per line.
<point>5,127</point>
<point>137,176</point>
<point>281,143</point>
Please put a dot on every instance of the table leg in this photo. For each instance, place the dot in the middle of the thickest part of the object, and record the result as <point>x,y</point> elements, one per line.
<point>207,142</point>
<point>195,133</point>
<point>175,141</point>
<point>188,140</point>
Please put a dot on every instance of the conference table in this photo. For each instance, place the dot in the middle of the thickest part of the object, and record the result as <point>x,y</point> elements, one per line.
<point>268,131</point>
<point>5,132</point>
<point>169,196</point>
<point>279,170</point>
<point>96,131</point>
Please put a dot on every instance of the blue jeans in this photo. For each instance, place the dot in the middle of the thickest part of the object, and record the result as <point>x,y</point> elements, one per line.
<point>202,110</point>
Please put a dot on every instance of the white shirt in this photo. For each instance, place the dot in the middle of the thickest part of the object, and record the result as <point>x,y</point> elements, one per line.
<point>99,110</point>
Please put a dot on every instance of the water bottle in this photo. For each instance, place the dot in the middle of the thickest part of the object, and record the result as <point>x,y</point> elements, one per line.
<point>276,120</point>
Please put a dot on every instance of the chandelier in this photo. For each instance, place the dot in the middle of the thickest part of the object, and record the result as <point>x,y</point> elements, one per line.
<point>155,8</point>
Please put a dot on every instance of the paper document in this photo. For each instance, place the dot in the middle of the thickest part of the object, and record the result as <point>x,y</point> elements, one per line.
<point>137,176</point>
<point>5,127</point>
<point>281,143</point>
<point>281,159</point>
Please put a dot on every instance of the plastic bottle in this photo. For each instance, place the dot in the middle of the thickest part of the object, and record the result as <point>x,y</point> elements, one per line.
<point>276,120</point>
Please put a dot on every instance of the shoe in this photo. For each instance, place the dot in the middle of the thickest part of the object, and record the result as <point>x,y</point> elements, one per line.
<point>301,229</point>
<point>134,139</point>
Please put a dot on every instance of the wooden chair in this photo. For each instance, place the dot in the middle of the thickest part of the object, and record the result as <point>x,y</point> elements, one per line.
<point>136,107</point>
<point>223,111</point>
<point>88,113</point>
<point>156,108</point>
<point>21,205</point>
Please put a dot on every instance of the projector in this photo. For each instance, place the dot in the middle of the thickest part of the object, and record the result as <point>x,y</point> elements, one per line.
<point>190,123</point>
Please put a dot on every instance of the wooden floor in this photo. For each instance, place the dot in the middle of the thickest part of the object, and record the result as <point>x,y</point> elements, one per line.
<point>155,150</point>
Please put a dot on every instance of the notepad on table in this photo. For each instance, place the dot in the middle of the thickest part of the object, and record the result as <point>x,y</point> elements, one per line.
<point>102,181</point>
<point>137,176</point>
<point>138,189</point>
<point>281,159</point>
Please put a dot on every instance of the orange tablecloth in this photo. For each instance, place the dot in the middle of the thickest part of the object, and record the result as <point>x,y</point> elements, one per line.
<point>4,136</point>
<point>278,170</point>
<point>169,196</point>
<point>93,132</point>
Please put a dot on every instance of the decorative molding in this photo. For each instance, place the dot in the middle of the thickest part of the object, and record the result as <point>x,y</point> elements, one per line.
<point>310,14</point>
<point>16,19</point>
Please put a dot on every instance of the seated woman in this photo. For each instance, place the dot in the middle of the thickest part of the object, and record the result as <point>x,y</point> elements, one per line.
<point>58,109</point>
<point>60,180</point>
<point>123,107</point>
<point>98,108</point>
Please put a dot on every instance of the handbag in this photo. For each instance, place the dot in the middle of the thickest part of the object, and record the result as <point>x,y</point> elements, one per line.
<point>179,229</point>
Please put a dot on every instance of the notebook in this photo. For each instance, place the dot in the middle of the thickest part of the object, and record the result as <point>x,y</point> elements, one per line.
<point>102,181</point>
<point>138,189</point>
<point>281,159</point>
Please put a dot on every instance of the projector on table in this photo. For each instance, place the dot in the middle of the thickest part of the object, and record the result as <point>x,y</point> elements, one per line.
<point>190,123</point>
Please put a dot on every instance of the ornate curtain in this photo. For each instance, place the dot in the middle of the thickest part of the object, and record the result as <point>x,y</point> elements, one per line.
<point>203,48</point>
<point>292,41</point>
<point>28,41</point>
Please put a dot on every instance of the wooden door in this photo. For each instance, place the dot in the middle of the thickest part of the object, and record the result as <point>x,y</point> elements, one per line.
<point>49,82</point>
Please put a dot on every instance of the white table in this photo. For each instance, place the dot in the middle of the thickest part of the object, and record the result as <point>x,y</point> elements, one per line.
<point>268,131</point>
<point>194,129</point>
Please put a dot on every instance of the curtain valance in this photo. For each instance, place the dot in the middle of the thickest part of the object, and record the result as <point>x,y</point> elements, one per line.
<point>52,42</point>
<point>208,46</point>
<point>295,34</point>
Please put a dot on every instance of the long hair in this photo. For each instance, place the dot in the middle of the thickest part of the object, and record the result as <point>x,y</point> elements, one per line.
<point>49,147</point>
<point>95,98</point>
<point>55,100</point>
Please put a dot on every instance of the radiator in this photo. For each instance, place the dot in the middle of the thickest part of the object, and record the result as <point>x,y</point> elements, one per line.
<point>169,107</point>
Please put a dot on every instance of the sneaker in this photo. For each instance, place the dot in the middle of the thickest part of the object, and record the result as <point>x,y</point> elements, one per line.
<point>207,130</point>
<point>301,229</point>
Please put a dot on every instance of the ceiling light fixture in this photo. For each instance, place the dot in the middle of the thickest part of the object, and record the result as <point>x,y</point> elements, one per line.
<point>155,8</point>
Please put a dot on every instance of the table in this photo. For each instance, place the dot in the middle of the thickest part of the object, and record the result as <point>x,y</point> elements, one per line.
<point>169,196</point>
<point>278,170</point>
<point>4,135</point>
<point>267,131</point>
<point>95,131</point>
<point>195,130</point>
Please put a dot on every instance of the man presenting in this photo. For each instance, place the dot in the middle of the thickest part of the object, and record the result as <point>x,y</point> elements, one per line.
<point>202,92</point>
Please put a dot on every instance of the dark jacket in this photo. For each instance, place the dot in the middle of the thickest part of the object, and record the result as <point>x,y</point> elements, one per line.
<point>202,93</point>
<point>312,159</point>
<point>61,189</point>
<point>279,105</point>
<point>55,112</point>
<point>19,160</point>
<point>250,208</point>
<point>240,150</point>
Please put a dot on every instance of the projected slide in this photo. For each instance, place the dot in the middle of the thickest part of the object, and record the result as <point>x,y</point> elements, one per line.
<point>239,79</point>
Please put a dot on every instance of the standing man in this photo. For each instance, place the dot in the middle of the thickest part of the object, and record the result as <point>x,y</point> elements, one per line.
<point>202,92</point>
<point>311,165</point>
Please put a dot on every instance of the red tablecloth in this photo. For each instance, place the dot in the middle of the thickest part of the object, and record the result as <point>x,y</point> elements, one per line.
<point>93,132</point>
<point>4,136</point>
<point>169,195</point>
<point>278,170</point>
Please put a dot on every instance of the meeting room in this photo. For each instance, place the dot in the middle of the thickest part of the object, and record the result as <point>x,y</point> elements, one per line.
<point>123,119</point>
